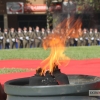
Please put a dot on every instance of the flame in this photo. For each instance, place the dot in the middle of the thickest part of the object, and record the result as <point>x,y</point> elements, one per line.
<point>56,41</point>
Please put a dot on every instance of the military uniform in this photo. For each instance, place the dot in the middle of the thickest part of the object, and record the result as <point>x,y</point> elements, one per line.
<point>26,39</point>
<point>7,40</point>
<point>80,42</point>
<point>85,38</point>
<point>32,37</point>
<point>38,39</point>
<point>96,37</point>
<point>20,38</point>
<point>80,39</point>
<point>13,39</point>
<point>43,35</point>
<point>2,40</point>
<point>91,38</point>
<point>48,32</point>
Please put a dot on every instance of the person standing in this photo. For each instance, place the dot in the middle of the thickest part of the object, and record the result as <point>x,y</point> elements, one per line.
<point>7,39</point>
<point>85,37</point>
<point>20,38</point>
<point>12,34</point>
<point>91,37</point>
<point>48,31</point>
<point>80,39</point>
<point>43,33</point>
<point>96,37</point>
<point>38,38</point>
<point>1,39</point>
<point>31,37</point>
<point>26,38</point>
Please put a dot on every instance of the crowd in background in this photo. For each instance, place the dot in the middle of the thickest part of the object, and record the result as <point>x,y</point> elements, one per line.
<point>29,38</point>
<point>88,38</point>
<point>22,38</point>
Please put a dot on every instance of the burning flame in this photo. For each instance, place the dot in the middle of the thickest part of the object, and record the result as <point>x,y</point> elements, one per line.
<point>56,41</point>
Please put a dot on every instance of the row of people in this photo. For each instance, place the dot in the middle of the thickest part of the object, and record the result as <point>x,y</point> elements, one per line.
<point>24,38</point>
<point>88,37</point>
<point>27,38</point>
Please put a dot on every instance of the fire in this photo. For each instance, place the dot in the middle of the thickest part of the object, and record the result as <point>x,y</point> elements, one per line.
<point>56,42</point>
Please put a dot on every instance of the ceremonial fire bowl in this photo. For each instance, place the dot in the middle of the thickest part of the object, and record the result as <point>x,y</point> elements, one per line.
<point>78,89</point>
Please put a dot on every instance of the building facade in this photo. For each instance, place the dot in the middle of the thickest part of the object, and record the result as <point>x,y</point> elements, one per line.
<point>20,13</point>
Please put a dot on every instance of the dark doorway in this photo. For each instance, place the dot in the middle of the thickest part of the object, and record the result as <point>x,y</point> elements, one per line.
<point>26,21</point>
<point>12,21</point>
<point>32,20</point>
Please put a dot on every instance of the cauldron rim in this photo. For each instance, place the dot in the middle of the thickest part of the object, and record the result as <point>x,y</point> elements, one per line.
<point>47,90</point>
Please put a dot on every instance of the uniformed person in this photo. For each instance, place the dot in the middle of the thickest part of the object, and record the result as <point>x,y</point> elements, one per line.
<point>7,39</point>
<point>38,38</point>
<point>44,34</point>
<point>26,38</point>
<point>48,31</point>
<point>20,37</point>
<point>96,37</point>
<point>91,37</point>
<point>85,37</point>
<point>80,39</point>
<point>31,37</point>
<point>1,40</point>
<point>13,34</point>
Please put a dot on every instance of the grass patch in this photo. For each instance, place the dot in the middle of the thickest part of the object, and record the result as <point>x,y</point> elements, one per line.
<point>83,52</point>
<point>13,70</point>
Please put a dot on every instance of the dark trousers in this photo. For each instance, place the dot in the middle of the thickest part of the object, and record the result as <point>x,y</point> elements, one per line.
<point>7,46</point>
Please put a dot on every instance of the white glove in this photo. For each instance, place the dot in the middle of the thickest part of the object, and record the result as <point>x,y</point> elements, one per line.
<point>32,39</point>
<point>13,40</point>
<point>21,38</point>
<point>92,38</point>
<point>81,39</point>
<point>76,39</point>
<point>1,37</point>
<point>8,40</point>
<point>27,38</point>
<point>86,38</point>
<point>39,37</point>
